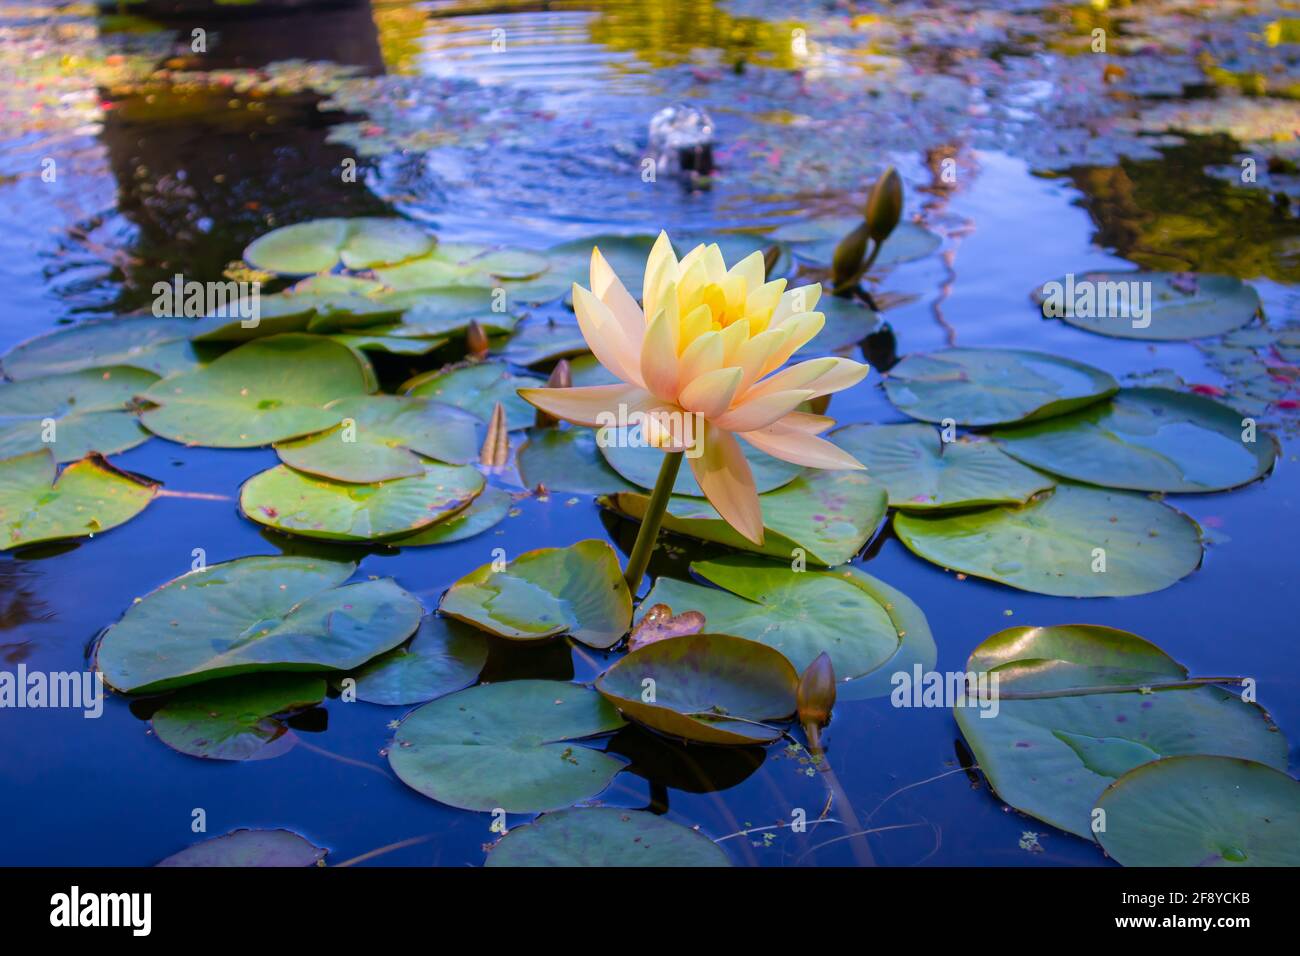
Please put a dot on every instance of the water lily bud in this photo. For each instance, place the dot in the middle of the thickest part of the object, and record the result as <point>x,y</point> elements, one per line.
<point>476,340</point>
<point>849,254</point>
<point>885,205</point>
<point>561,377</point>
<point>816,695</point>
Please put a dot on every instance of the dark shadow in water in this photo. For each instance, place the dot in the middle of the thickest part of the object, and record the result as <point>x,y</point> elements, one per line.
<point>686,767</point>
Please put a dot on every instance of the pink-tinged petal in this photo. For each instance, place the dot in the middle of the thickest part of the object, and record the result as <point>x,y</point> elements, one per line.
<point>807,422</point>
<point>804,375</point>
<point>711,393</point>
<point>724,476</point>
<point>701,356</point>
<point>669,427</point>
<point>733,337</point>
<point>607,287</point>
<point>660,269</point>
<point>753,354</point>
<point>800,448</point>
<point>803,329</point>
<point>844,373</point>
<point>659,363</point>
<point>795,301</point>
<point>752,270</point>
<point>605,337</point>
<point>590,405</point>
<point>761,412</point>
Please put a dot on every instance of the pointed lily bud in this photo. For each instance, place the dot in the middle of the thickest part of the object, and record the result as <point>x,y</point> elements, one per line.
<point>496,444</point>
<point>816,698</point>
<point>885,205</point>
<point>849,255</point>
<point>561,377</point>
<point>476,340</point>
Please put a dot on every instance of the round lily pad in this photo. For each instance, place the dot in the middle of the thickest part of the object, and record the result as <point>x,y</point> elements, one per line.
<point>566,459</point>
<point>73,415</point>
<point>234,719</point>
<point>484,512</point>
<point>605,836</point>
<point>709,688</point>
<point>156,345</point>
<point>1052,756</point>
<point>251,848</point>
<point>1149,439</point>
<point>993,386</point>
<point>585,370</point>
<point>923,473</point>
<point>578,590</point>
<point>389,344</point>
<point>444,656</point>
<point>1156,306</point>
<point>540,340</point>
<point>639,463</point>
<point>254,614</point>
<point>847,323</point>
<point>1202,811</point>
<point>510,746</point>
<point>477,388</point>
<point>439,312</point>
<point>320,244</point>
<point>382,437</point>
<point>291,501</point>
<point>88,497</point>
<point>626,255</point>
<point>1073,542</point>
<point>268,390</point>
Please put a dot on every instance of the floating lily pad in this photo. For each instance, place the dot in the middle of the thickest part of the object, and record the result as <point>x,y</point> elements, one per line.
<point>639,463</point>
<point>269,390</point>
<point>827,515</point>
<point>1052,757</point>
<point>234,719</point>
<point>160,346</point>
<point>993,386</point>
<point>88,411</point>
<point>847,323</point>
<point>815,240</point>
<point>566,459</point>
<point>296,503</point>
<point>509,746</point>
<point>626,255</point>
<point>319,245</point>
<point>278,313</point>
<point>1202,811</point>
<point>578,590</point>
<point>389,344</point>
<point>708,688</point>
<point>448,312</point>
<point>477,388</point>
<point>484,512</point>
<point>383,437</point>
<point>1058,542</point>
<point>922,472</point>
<point>444,656</point>
<point>254,614</point>
<point>608,837</point>
<point>868,629</point>
<point>245,848</point>
<point>1156,306</point>
<point>541,340</point>
<point>1149,439</point>
<point>585,370</point>
<point>90,496</point>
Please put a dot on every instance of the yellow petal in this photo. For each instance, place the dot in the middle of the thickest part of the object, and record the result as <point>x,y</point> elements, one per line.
<point>760,303</point>
<point>607,287</point>
<point>660,269</point>
<point>591,405</point>
<point>761,412</point>
<point>803,298</point>
<point>701,356</point>
<point>803,375</point>
<point>605,337</point>
<point>844,374</point>
<point>807,422</point>
<point>733,337</point>
<point>659,364</point>
<point>753,355</point>
<point>714,264</point>
<point>724,476</point>
<point>695,323</point>
<point>803,329</point>
<point>752,270</point>
<point>794,445</point>
<point>711,393</point>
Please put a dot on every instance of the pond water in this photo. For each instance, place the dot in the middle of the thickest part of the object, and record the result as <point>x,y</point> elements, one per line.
<point>171,161</point>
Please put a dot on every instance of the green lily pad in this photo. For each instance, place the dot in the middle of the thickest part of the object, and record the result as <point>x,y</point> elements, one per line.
<point>585,370</point>
<point>626,255</point>
<point>254,614</point>
<point>389,344</point>
<point>383,437</point>
<point>266,391</point>
<point>847,323</point>
<point>1052,757</point>
<point>88,410</point>
<point>639,463</point>
<point>234,719</point>
<point>1149,439</point>
<point>868,629</point>
<point>541,340</point>
<point>321,244</point>
<point>484,512</point>
<point>509,746</point>
<point>1202,811</point>
<point>160,346</point>
<point>815,240</point>
<point>245,848</point>
<point>443,657</point>
<point>993,386</point>
<point>708,688</point>
<point>1175,305</point>
<point>923,473</point>
<point>278,313</point>
<point>477,388</point>
<point>565,458</point>
<point>448,312</point>
<point>90,496</point>
<point>578,590</point>
<point>296,503</point>
<point>828,515</point>
<point>1052,544</point>
<point>608,837</point>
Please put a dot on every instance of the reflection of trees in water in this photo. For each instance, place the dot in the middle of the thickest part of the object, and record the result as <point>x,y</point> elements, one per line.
<point>19,605</point>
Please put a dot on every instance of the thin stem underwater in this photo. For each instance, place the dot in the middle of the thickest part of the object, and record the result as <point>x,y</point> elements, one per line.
<point>648,533</point>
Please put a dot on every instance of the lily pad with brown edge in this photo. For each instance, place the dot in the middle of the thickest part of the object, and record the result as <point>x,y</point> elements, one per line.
<point>1197,811</point>
<point>297,503</point>
<point>977,387</point>
<point>707,688</point>
<point>280,613</point>
<point>444,656</point>
<point>825,517</point>
<point>269,390</point>
<point>1077,706</point>
<point>74,414</point>
<point>158,345</point>
<point>476,388</point>
<point>382,437</point>
<point>868,629</point>
<point>321,244</point>
<point>235,718</point>
<point>513,745</point>
<point>1147,439</point>
<point>90,496</point>
<point>577,590</point>
<point>628,454</point>
<point>485,512</point>
<point>924,473</point>
<point>565,458</point>
<point>1074,541</point>
<point>605,837</point>
<point>243,848</point>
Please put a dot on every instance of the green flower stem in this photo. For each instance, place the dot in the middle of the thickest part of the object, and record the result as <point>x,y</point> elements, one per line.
<point>648,533</point>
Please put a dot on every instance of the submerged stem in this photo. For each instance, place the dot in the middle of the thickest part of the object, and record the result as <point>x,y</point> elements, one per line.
<point>648,533</point>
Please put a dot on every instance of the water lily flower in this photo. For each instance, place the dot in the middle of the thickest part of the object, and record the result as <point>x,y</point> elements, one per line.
<point>708,344</point>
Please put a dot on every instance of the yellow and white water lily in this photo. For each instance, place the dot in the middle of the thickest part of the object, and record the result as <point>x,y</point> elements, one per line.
<point>711,342</point>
